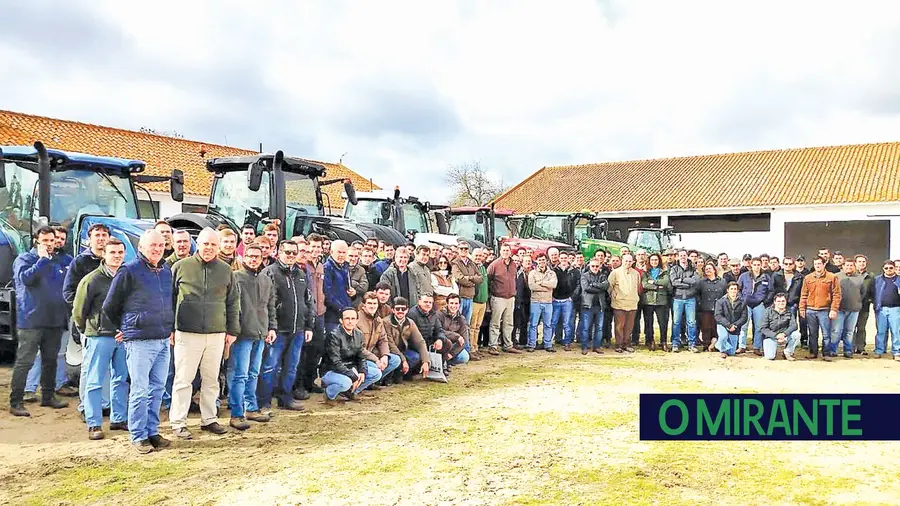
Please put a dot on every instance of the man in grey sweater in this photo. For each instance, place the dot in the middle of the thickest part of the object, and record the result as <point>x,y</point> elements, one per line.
<point>853,292</point>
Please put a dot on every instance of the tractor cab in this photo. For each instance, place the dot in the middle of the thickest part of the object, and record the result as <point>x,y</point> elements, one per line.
<point>40,186</point>
<point>409,216</point>
<point>482,224</point>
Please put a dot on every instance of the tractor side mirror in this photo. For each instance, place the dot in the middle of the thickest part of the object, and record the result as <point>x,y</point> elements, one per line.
<point>385,209</point>
<point>351,193</point>
<point>2,171</point>
<point>176,185</point>
<point>479,218</point>
<point>254,176</point>
<point>617,234</point>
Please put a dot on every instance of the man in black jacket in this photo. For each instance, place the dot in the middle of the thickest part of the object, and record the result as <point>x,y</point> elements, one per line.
<point>295,314</point>
<point>594,284</point>
<point>258,323</point>
<point>566,277</point>
<point>347,370</point>
<point>429,325</point>
<point>101,350</point>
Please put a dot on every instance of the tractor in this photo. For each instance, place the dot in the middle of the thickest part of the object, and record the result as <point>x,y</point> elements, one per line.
<point>259,189</point>
<point>581,231</point>
<point>40,186</point>
<point>485,224</point>
<point>406,215</point>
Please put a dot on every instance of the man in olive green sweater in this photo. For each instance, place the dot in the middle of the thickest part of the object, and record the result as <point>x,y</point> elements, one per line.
<point>207,311</point>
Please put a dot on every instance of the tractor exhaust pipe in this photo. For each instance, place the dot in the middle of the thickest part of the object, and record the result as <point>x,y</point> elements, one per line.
<point>43,180</point>
<point>278,202</point>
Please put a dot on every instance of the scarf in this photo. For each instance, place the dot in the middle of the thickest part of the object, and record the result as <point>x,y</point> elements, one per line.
<point>655,272</point>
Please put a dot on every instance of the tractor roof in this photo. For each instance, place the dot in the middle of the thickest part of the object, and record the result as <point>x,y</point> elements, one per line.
<point>66,160</point>
<point>499,211</point>
<point>291,164</point>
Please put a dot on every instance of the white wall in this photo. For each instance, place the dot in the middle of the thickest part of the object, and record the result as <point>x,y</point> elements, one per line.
<point>169,208</point>
<point>772,242</point>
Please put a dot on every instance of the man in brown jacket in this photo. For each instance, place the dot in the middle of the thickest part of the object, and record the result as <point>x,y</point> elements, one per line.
<point>405,335</point>
<point>456,329</point>
<point>501,276</point>
<point>820,299</point>
<point>465,272</point>
<point>375,339</point>
<point>624,292</point>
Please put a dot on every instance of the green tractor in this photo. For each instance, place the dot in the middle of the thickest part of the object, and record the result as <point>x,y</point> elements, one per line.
<point>582,231</point>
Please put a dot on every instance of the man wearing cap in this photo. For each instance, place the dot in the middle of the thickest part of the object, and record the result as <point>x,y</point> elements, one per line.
<point>745,262</point>
<point>734,271</point>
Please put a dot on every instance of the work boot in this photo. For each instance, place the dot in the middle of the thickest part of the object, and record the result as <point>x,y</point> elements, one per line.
<point>292,406</point>
<point>118,426</point>
<point>53,402</point>
<point>18,410</point>
<point>300,394</point>
<point>239,423</point>
<point>512,351</point>
<point>182,433</point>
<point>30,397</point>
<point>95,433</point>
<point>214,427</point>
<point>67,391</point>
<point>143,446</point>
<point>158,442</point>
<point>257,416</point>
<point>493,350</point>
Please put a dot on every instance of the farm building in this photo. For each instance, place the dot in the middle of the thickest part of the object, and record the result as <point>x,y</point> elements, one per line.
<point>790,201</point>
<point>161,153</point>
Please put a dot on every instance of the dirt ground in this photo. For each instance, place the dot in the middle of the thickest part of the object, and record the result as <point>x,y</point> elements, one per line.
<point>529,429</point>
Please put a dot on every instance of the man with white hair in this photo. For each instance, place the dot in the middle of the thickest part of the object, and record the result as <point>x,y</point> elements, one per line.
<point>207,310</point>
<point>139,305</point>
<point>336,285</point>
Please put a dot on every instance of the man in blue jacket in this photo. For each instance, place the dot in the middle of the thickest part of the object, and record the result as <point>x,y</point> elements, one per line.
<point>887,310</point>
<point>139,303</point>
<point>336,285</point>
<point>757,292</point>
<point>41,318</point>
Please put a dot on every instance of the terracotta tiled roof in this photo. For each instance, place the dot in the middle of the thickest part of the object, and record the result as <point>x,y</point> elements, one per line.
<point>863,173</point>
<point>161,153</point>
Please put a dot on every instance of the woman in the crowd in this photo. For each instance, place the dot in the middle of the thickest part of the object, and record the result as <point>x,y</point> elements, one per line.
<point>731,315</point>
<point>443,283</point>
<point>655,299</point>
<point>711,289</point>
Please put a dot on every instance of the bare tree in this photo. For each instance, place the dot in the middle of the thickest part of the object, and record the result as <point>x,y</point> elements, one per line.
<point>471,184</point>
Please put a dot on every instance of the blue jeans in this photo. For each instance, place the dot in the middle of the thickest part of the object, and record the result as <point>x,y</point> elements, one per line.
<point>279,369</point>
<point>465,308</point>
<point>770,346</point>
<point>540,311</point>
<point>334,383</point>
<point>591,318</point>
<point>394,362</point>
<point>727,342</point>
<point>460,359</point>
<point>684,309</point>
<point>104,386</point>
<point>373,374</point>
<point>102,354</point>
<point>816,320</point>
<point>34,374</point>
<point>562,310</point>
<point>413,360</point>
<point>242,375</point>
<point>842,329</point>
<point>170,379</point>
<point>148,360</point>
<point>887,319</point>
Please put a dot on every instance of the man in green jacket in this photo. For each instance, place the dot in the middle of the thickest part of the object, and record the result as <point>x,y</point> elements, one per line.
<point>100,346</point>
<point>479,303</point>
<point>207,310</point>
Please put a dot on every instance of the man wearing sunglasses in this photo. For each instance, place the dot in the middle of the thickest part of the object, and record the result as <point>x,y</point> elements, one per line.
<point>887,310</point>
<point>406,336</point>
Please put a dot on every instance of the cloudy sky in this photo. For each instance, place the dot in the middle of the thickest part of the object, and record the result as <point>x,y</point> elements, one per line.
<point>407,88</point>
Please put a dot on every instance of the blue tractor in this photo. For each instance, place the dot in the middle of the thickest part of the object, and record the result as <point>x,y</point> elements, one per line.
<point>41,186</point>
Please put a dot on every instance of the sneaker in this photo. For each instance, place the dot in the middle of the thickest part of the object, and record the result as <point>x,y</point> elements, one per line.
<point>143,446</point>
<point>694,349</point>
<point>214,427</point>
<point>67,391</point>
<point>118,426</point>
<point>158,442</point>
<point>300,394</point>
<point>183,433</point>
<point>675,349</point>
<point>95,433</point>
<point>257,416</point>
<point>30,397</point>
<point>239,423</point>
<point>493,351</point>
<point>18,410</point>
<point>629,349</point>
<point>54,403</point>
<point>789,357</point>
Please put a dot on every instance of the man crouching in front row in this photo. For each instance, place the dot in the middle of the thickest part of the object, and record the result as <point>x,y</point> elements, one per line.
<point>347,370</point>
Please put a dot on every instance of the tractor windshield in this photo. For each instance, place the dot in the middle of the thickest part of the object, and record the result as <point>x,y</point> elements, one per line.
<point>465,225</point>
<point>370,211</point>
<point>415,218</point>
<point>73,193</point>
<point>233,199</point>
<point>550,228</point>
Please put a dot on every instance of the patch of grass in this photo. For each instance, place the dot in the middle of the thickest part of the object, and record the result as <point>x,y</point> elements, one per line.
<point>94,481</point>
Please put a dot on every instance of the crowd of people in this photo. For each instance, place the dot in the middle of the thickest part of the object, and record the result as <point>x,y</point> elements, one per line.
<point>255,320</point>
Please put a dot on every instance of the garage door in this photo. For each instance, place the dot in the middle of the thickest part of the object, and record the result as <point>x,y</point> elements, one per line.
<point>869,237</point>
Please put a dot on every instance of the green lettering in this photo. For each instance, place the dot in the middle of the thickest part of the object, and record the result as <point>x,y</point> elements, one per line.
<point>779,418</point>
<point>752,418</point>
<point>812,424</point>
<point>829,414</point>
<point>847,417</point>
<point>704,418</point>
<point>737,418</point>
<point>662,417</point>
